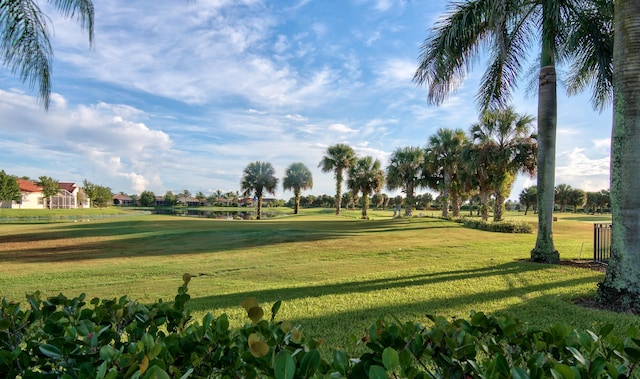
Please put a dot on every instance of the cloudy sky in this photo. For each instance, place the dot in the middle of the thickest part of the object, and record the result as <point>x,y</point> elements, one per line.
<point>179,94</point>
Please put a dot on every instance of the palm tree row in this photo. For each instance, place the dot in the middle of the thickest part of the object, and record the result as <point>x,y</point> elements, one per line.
<point>259,177</point>
<point>453,163</point>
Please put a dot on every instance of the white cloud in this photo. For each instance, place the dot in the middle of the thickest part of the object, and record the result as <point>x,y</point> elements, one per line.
<point>341,128</point>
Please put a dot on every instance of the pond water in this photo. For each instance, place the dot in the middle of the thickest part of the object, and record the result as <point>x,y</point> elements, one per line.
<point>221,215</point>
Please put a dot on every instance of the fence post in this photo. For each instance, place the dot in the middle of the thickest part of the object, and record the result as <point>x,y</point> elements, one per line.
<point>601,242</point>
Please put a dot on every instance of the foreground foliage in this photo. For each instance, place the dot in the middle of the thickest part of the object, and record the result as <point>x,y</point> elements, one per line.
<point>70,338</point>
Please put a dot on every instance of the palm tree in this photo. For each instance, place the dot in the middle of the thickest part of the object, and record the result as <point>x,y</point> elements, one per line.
<point>338,158</point>
<point>367,177</point>
<point>405,172</point>
<point>258,177</point>
<point>621,285</point>
<point>507,27</point>
<point>529,198</point>
<point>444,156</point>
<point>24,39</point>
<point>506,137</point>
<point>297,177</point>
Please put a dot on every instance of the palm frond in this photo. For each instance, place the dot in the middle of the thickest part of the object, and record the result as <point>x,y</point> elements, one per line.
<point>24,39</point>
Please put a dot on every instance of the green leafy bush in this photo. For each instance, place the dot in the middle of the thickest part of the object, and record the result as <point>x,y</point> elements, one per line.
<point>72,338</point>
<point>500,226</point>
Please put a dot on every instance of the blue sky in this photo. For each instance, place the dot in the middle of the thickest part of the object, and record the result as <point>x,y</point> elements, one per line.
<point>181,95</point>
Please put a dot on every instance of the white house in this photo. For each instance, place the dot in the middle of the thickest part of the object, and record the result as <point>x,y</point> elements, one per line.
<point>69,196</point>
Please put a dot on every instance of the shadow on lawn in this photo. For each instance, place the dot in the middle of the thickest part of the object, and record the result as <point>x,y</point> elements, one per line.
<point>431,300</point>
<point>175,236</point>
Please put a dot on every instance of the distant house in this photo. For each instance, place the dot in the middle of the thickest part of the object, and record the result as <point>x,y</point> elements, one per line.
<point>122,200</point>
<point>160,201</point>
<point>189,201</point>
<point>32,197</point>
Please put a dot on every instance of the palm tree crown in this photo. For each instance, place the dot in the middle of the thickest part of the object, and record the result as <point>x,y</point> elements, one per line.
<point>338,158</point>
<point>24,39</point>
<point>405,172</point>
<point>258,177</point>
<point>443,160</point>
<point>504,137</point>
<point>366,176</point>
<point>297,177</point>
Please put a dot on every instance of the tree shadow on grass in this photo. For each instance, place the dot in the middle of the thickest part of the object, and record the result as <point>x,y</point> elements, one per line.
<point>175,236</point>
<point>350,322</point>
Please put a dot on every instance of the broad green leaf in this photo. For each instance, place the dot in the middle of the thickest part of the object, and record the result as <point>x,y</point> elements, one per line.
<point>502,365</point>
<point>274,309</point>
<point>633,353</point>
<point>606,330</point>
<point>155,350</point>
<point>284,366</point>
<point>50,351</point>
<point>519,373</point>
<point>340,362</point>
<point>310,363</point>
<point>107,353</point>
<point>562,371</point>
<point>390,359</point>
<point>155,372</point>
<point>577,355</point>
<point>377,372</point>
<point>102,370</point>
<point>597,366</point>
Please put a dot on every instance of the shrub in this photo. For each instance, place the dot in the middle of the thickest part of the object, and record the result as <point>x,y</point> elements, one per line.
<point>68,338</point>
<point>500,226</point>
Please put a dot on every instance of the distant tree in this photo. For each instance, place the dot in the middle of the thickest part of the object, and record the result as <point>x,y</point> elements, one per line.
<point>201,197</point>
<point>24,39</point>
<point>505,136</point>
<point>338,158</point>
<point>604,200</point>
<point>99,196</point>
<point>562,194</point>
<point>9,187</point>
<point>444,155</point>
<point>576,198</point>
<point>405,172</point>
<point>134,199</point>
<point>49,188</point>
<point>423,201</point>
<point>170,199</point>
<point>147,199</point>
<point>529,198</point>
<point>297,177</point>
<point>186,193</point>
<point>367,177</point>
<point>257,178</point>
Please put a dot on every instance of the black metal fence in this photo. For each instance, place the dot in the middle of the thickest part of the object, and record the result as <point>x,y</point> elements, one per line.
<point>601,242</point>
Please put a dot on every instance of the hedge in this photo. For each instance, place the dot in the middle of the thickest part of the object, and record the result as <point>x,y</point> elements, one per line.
<point>120,338</point>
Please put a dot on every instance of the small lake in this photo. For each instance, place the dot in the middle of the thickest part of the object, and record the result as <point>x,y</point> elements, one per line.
<point>220,215</point>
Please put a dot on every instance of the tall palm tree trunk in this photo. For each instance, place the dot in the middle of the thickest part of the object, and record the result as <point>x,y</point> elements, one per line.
<point>484,205</point>
<point>365,206</point>
<point>499,207</point>
<point>408,209</point>
<point>455,203</point>
<point>621,286</point>
<point>259,210</point>
<point>544,251</point>
<point>445,194</point>
<point>296,208</point>
<point>338,191</point>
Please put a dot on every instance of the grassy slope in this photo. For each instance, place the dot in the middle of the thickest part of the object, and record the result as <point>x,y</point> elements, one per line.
<point>335,275</point>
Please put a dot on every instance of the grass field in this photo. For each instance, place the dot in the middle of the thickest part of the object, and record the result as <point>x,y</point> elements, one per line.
<point>334,274</point>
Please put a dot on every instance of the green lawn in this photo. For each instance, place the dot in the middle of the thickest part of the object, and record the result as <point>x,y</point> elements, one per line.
<point>334,274</point>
